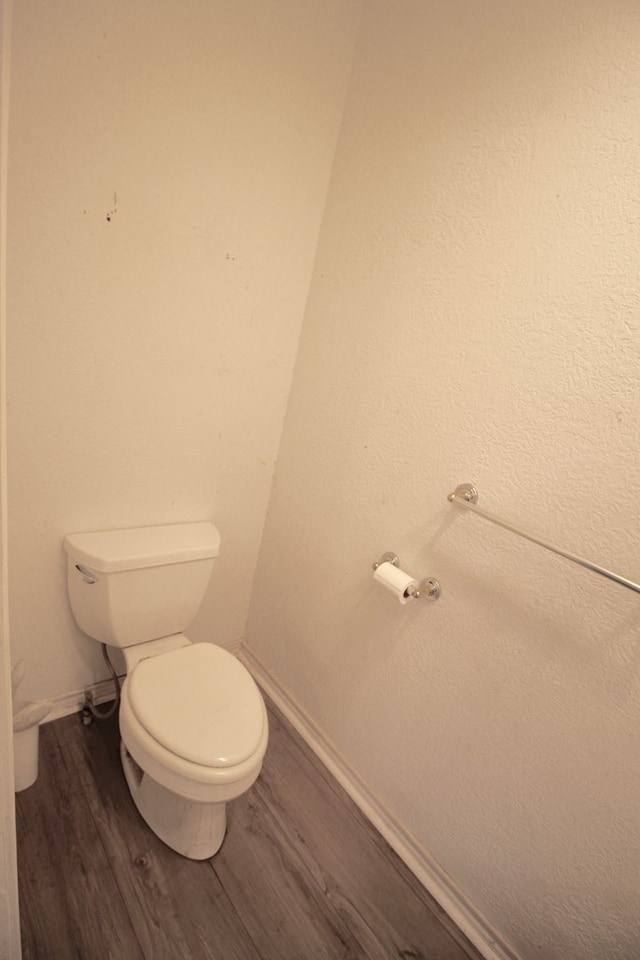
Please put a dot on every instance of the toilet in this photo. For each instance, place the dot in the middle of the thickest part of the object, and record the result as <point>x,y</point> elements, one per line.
<point>193,723</point>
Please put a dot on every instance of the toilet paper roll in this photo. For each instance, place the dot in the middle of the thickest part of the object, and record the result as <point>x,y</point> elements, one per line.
<point>396,580</point>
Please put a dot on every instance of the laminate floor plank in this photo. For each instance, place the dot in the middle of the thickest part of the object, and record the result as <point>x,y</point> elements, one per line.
<point>363,825</point>
<point>301,875</point>
<point>378,897</point>
<point>177,906</point>
<point>284,909</point>
<point>70,904</point>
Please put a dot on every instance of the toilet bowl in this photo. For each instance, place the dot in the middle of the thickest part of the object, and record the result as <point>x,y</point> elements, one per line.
<point>193,723</point>
<point>194,732</point>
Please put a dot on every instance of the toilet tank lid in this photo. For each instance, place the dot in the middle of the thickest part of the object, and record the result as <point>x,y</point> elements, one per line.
<point>108,551</point>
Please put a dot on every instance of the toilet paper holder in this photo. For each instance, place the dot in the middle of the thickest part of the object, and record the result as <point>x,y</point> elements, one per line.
<point>427,589</point>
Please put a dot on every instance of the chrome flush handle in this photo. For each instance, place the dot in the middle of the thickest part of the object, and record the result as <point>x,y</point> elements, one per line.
<point>86,574</point>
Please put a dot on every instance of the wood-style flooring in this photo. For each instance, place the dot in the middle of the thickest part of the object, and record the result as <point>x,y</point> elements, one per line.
<point>301,875</point>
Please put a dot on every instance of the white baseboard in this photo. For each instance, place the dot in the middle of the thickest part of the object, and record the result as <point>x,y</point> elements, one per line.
<point>428,872</point>
<point>73,702</point>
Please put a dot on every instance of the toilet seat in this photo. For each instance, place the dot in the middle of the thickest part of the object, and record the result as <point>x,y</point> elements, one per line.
<point>189,779</point>
<point>199,703</point>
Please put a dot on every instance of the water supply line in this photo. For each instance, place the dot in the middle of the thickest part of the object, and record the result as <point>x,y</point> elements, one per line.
<point>89,709</point>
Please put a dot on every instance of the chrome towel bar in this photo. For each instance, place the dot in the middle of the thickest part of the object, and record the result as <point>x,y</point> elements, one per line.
<point>466,496</point>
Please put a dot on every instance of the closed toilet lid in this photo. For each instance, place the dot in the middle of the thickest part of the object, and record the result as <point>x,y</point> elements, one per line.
<point>200,703</point>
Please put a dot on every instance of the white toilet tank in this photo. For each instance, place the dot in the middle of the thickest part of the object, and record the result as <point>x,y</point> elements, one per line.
<point>130,586</point>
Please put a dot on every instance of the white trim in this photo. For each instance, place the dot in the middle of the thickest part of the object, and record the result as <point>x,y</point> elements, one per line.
<point>73,702</point>
<point>428,872</point>
<point>9,903</point>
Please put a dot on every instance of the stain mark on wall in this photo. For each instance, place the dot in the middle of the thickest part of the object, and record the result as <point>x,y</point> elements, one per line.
<point>113,212</point>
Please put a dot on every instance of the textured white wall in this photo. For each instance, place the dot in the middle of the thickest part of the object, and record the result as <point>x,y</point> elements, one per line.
<point>474,315</point>
<point>168,171</point>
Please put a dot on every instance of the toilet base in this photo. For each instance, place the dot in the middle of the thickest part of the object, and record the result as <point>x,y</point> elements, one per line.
<point>195,830</point>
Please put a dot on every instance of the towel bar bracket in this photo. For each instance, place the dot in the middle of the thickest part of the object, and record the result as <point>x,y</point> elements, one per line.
<point>465,491</point>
